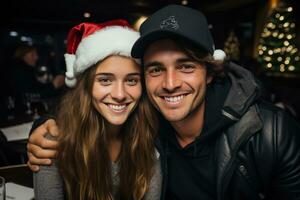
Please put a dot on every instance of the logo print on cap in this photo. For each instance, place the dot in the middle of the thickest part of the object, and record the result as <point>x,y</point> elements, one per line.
<point>169,23</point>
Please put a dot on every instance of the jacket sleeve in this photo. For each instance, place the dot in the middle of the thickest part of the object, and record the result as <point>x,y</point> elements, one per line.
<point>287,158</point>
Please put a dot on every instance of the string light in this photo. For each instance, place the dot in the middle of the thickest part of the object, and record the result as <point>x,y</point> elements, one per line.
<point>286,43</point>
<point>269,65</point>
<point>277,50</point>
<point>286,24</point>
<point>267,58</point>
<point>270,25</point>
<point>289,48</point>
<point>282,69</point>
<point>292,25</point>
<point>281,35</point>
<point>294,51</point>
<point>290,9</point>
<point>275,34</point>
<point>291,68</point>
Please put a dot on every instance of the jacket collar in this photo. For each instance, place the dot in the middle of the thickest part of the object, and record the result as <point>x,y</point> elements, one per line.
<point>239,106</point>
<point>243,92</point>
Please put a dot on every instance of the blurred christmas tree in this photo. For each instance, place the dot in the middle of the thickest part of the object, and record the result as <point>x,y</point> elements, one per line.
<point>277,46</point>
<point>232,46</point>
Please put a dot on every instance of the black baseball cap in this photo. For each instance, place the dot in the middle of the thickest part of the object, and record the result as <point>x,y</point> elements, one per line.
<point>174,21</point>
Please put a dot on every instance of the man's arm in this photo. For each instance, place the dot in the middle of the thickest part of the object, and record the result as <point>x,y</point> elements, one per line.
<point>41,150</point>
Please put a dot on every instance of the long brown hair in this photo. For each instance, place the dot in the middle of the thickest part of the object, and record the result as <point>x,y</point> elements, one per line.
<point>84,160</point>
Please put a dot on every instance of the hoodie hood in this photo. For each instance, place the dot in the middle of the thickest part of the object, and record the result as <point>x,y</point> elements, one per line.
<point>243,93</point>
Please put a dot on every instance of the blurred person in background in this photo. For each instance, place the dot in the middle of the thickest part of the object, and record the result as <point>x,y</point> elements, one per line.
<point>29,81</point>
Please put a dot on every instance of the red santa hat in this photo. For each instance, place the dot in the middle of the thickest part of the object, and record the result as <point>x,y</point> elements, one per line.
<point>89,43</point>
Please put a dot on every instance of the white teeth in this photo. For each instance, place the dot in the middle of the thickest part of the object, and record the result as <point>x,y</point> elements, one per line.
<point>117,107</point>
<point>174,99</point>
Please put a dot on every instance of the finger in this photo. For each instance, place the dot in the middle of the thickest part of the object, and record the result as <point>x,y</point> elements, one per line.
<point>32,160</point>
<point>37,133</point>
<point>34,168</point>
<point>52,128</point>
<point>42,142</point>
<point>40,152</point>
<point>37,138</point>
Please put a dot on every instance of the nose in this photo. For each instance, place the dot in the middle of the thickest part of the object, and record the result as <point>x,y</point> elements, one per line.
<point>118,93</point>
<point>172,81</point>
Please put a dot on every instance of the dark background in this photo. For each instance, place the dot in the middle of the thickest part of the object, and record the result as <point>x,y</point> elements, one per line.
<point>47,22</point>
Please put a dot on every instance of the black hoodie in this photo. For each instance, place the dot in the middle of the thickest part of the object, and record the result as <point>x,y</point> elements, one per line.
<point>194,174</point>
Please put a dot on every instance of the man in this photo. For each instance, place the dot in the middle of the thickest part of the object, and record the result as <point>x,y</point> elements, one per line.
<point>217,139</point>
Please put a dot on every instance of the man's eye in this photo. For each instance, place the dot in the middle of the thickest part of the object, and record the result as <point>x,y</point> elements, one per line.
<point>186,68</point>
<point>154,71</point>
<point>131,81</point>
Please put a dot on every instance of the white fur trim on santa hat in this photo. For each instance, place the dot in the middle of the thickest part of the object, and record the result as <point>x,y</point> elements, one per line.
<point>219,55</point>
<point>107,41</point>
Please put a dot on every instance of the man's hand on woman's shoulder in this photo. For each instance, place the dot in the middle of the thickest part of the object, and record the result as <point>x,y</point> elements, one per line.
<point>41,150</point>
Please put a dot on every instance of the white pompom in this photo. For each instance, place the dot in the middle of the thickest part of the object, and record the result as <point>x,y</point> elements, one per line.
<point>70,79</point>
<point>70,82</point>
<point>219,55</point>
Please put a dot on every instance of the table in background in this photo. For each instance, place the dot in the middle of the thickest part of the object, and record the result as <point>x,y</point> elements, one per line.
<point>19,174</point>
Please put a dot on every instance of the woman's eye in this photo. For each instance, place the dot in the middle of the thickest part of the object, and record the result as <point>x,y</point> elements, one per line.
<point>131,81</point>
<point>104,81</point>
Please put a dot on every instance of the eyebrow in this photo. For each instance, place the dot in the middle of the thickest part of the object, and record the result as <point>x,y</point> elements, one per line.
<point>182,60</point>
<point>179,60</point>
<point>154,63</point>
<point>111,74</point>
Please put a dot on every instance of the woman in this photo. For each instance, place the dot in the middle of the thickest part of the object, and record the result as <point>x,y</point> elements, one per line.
<point>106,146</point>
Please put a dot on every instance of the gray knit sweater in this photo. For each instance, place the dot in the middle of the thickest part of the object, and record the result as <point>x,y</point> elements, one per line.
<point>48,184</point>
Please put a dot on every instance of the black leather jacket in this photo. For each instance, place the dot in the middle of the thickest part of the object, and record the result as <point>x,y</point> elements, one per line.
<point>258,157</point>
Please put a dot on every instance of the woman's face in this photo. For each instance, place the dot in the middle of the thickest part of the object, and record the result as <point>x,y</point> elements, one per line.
<point>117,88</point>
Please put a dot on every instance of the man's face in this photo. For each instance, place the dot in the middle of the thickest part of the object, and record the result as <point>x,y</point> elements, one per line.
<point>31,58</point>
<point>175,83</point>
